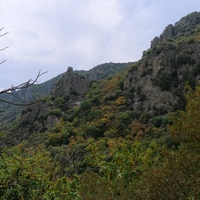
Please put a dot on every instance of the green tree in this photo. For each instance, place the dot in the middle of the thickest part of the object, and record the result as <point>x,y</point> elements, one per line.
<point>178,176</point>
<point>25,173</point>
<point>185,129</point>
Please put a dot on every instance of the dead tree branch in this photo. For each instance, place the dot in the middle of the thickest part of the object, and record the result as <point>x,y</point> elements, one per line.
<point>24,85</point>
<point>3,61</point>
<point>4,47</point>
<point>3,33</point>
<point>17,87</point>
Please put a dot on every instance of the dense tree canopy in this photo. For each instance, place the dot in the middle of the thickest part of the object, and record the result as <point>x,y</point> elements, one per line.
<point>95,158</point>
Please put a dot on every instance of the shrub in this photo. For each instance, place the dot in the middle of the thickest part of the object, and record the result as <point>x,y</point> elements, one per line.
<point>121,85</point>
<point>86,105</point>
<point>59,101</point>
<point>191,40</point>
<point>57,139</point>
<point>56,112</point>
<point>183,59</point>
<point>95,114</point>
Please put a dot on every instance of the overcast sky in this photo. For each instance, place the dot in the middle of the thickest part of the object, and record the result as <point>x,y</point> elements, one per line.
<point>50,35</point>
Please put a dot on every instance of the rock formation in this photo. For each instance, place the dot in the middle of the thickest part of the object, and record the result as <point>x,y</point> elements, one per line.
<point>158,80</point>
<point>71,83</point>
<point>43,114</point>
<point>184,27</point>
<point>155,85</point>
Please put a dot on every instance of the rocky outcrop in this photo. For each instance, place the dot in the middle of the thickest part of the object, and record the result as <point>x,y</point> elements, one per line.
<point>44,114</point>
<point>157,82</point>
<point>36,119</point>
<point>155,85</point>
<point>184,27</point>
<point>71,84</point>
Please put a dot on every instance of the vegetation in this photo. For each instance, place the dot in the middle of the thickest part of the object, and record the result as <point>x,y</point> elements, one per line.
<point>106,154</point>
<point>102,148</point>
<point>9,118</point>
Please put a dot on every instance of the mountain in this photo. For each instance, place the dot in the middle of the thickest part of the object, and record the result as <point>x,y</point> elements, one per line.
<point>10,115</point>
<point>149,89</point>
<point>132,135</point>
<point>158,80</point>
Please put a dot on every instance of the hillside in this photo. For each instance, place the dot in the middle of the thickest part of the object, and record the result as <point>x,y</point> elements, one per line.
<point>10,115</point>
<point>133,135</point>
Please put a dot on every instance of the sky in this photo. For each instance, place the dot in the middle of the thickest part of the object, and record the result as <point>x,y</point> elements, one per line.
<point>51,35</point>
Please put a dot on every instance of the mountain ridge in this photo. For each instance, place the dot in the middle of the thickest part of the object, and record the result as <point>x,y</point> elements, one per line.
<point>154,86</point>
<point>11,113</point>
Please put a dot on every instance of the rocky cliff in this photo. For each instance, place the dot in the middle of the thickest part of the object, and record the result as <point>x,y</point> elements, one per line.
<point>158,80</point>
<point>154,86</point>
<point>9,116</point>
<point>184,27</point>
<point>71,83</point>
<point>45,113</point>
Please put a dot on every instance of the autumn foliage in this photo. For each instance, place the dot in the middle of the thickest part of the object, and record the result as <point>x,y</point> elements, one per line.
<point>102,151</point>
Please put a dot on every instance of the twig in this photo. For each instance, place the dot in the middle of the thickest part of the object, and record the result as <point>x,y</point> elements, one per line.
<point>24,85</point>
<point>3,48</point>
<point>3,61</point>
<point>3,33</point>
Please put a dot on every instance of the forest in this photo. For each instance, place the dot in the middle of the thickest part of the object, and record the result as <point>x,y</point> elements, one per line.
<point>106,155</point>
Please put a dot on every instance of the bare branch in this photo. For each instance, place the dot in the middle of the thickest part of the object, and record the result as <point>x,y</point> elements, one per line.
<point>15,104</point>
<point>3,33</point>
<point>23,85</point>
<point>3,48</point>
<point>3,61</point>
<point>19,87</point>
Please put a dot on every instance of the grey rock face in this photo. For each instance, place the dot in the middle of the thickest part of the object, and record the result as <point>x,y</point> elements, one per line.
<point>168,32</point>
<point>71,83</point>
<point>189,20</point>
<point>51,121</point>
<point>38,117</point>
<point>158,82</point>
<point>183,27</point>
<point>34,120</point>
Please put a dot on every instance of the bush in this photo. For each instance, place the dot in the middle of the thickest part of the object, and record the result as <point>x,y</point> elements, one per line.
<point>85,105</point>
<point>95,114</point>
<point>167,81</point>
<point>59,101</point>
<point>56,112</point>
<point>58,139</point>
<point>191,40</point>
<point>183,59</point>
<point>121,85</point>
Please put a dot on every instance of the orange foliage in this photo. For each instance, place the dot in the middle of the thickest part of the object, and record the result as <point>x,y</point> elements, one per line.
<point>120,101</point>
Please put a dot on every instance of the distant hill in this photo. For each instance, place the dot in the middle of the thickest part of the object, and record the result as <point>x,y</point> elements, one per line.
<point>104,70</point>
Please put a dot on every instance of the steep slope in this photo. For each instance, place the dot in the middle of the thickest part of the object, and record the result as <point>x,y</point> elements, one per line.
<point>157,82</point>
<point>147,91</point>
<point>44,114</point>
<point>10,114</point>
